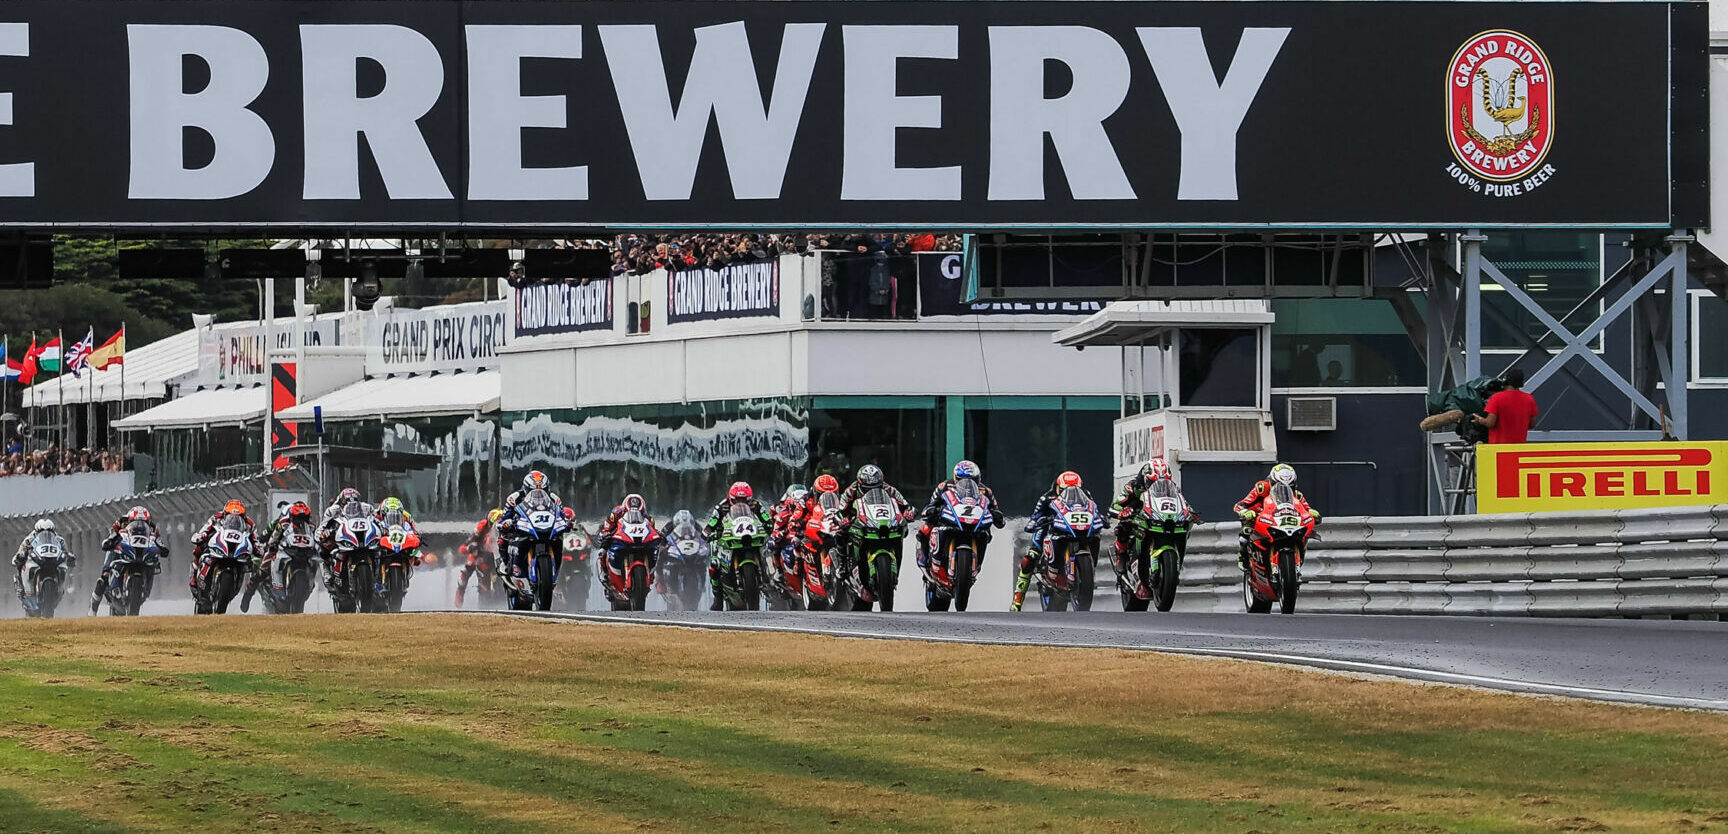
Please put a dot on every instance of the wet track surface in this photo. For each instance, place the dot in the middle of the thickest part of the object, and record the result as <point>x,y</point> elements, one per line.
<point>1665,663</point>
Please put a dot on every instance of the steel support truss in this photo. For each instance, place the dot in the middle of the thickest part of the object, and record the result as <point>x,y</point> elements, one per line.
<point>1648,403</point>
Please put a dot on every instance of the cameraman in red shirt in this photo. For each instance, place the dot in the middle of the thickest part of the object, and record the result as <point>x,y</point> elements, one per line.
<point>1510,412</point>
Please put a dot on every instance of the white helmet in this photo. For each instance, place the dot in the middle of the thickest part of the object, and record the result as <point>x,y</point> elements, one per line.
<point>45,525</point>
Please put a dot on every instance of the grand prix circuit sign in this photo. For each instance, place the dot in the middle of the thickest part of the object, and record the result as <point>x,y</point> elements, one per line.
<point>434,114</point>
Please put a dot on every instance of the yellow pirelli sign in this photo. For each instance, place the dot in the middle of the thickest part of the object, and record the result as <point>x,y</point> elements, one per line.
<point>1552,477</point>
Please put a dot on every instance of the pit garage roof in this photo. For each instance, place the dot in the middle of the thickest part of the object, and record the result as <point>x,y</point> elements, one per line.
<point>200,409</point>
<point>1137,322</point>
<point>431,395</point>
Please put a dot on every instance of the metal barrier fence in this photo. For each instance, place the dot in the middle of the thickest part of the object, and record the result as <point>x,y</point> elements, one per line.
<point>1630,563</point>
<point>178,513</point>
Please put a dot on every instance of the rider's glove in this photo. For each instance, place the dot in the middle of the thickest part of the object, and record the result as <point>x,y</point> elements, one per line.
<point>1247,515</point>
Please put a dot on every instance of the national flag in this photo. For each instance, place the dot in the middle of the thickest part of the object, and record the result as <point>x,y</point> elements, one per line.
<point>27,373</point>
<point>78,355</point>
<point>48,356</point>
<point>11,368</point>
<point>110,353</point>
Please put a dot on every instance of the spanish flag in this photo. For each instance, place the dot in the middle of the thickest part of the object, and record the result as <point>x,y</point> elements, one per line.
<point>109,353</point>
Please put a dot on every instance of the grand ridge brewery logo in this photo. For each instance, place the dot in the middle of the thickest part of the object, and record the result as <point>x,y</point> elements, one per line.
<point>1500,114</point>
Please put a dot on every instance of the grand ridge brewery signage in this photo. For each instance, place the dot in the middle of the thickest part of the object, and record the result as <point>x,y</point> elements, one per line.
<point>458,114</point>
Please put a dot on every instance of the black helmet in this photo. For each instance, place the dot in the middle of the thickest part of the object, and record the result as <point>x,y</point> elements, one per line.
<point>870,476</point>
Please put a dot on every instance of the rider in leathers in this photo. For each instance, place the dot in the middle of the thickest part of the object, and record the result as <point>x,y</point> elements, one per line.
<point>1039,526</point>
<point>509,553</point>
<point>1248,509</point>
<point>111,544</point>
<point>1128,502</point>
<point>788,526</point>
<point>18,558</point>
<point>266,554</point>
<point>232,508</point>
<point>739,494</point>
<point>932,514</point>
<point>608,528</point>
<point>477,553</point>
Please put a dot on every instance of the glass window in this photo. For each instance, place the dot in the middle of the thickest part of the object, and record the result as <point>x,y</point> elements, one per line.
<point>1710,337</point>
<point>1217,368</point>
<point>1342,343</point>
<point>1557,270</point>
<point>1021,451</point>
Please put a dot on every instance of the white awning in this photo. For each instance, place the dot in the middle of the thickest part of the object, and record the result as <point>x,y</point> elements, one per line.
<point>200,409</point>
<point>1136,322</point>
<point>407,396</point>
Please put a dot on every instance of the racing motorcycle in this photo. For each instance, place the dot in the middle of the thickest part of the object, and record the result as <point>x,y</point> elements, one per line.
<point>227,557</point>
<point>46,573</point>
<point>534,524</point>
<point>952,567</point>
<point>877,535</point>
<point>829,581</point>
<point>742,538</point>
<point>572,593</point>
<point>1069,561</point>
<point>398,555</point>
<point>292,570</point>
<point>1149,572</point>
<point>487,585</point>
<point>784,589</point>
<point>132,571</point>
<point>1280,540</point>
<point>630,574</point>
<point>352,581</point>
<point>683,568</point>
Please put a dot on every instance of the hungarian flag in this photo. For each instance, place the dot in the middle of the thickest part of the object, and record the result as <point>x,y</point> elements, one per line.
<point>110,353</point>
<point>27,371</point>
<point>48,356</point>
<point>11,368</point>
<point>78,355</point>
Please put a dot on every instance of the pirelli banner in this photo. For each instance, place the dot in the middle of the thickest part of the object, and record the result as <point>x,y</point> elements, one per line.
<point>518,114</point>
<point>1548,477</point>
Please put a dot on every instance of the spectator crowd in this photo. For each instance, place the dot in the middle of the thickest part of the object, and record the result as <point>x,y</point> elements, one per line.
<point>53,461</point>
<point>639,254</point>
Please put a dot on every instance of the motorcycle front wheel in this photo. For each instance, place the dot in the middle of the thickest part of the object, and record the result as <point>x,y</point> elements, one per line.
<point>225,584</point>
<point>1164,584</point>
<point>544,579</point>
<point>134,593</point>
<point>47,597</point>
<point>882,572</point>
<point>395,587</point>
<point>1085,582</point>
<point>960,575</point>
<point>299,590</point>
<point>749,587</point>
<point>1289,581</point>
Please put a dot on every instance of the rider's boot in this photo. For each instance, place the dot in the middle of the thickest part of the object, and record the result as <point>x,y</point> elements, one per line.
<point>246,592</point>
<point>96,593</point>
<point>1023,581</point>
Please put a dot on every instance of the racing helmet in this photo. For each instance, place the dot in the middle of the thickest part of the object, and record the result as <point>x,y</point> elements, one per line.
<point>794,492</point>
<point>965,470</point>
<point>299,510</point>
<point>534,480</point>
<point>493,516</point>
<point>827,483</point>
<point>1068,479</point>
<point>138,514</point>
<point>44,525</point>
<point>234,507</point>
<point>348,496</point>
<point>569,514</point>
<point>740,491</point>
<point>634,503</point>
<point>1283,473</point>
<point>870,476</point>
<point>1159,470</point>
<point>390,505</point>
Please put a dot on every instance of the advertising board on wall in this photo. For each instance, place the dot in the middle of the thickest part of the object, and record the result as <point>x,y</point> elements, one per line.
<point>733,292</point>
<point>1556,477</point>
<point>235,355</point>
<point>475,114</point>
<point>461,337</point>
<point>942,285</point>
<point>1137,439</point>
<point>544,309</point>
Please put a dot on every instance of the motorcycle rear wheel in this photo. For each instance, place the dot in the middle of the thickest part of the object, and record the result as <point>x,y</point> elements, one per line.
<point>1130,602</point>
<point>1254,603</point>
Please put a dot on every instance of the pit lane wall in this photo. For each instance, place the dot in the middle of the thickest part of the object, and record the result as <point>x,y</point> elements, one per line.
<point>1626,563</point>
<point>178,514</point>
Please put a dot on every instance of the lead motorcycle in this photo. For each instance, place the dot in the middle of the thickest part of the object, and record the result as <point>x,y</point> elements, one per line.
<point>1069,563</point>
<point>398,556</point>
<point>227,557</point>
<point>630,575</point>
<point>530,571</point>
<point>952,567</point>
<point>1148,573</point>
<point>293,570</point>
<point>351,578</point>
<point>830,581</point>
<point>46,575</point>
<point>684,567</point>
<point>1275,552</point>
<point>132,571</point>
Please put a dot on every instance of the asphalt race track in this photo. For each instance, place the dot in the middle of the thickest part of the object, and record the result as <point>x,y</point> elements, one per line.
<point>1655,662</point>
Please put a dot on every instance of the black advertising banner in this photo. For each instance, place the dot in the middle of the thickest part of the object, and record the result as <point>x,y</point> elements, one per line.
<point>543,309</point>
<point>942,285</point>
<point>733,292</point>
<point>969,115</point>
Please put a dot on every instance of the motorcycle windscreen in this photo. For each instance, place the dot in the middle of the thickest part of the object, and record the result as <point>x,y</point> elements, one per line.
<point>45,543</point>
<point>828,501</point>
<point>138,530</point>
<point>355,509</point>
<point>1074,497</point>
<point>232,523</point>
<point>537,499</point>
<point>685,532</point>
<point>1283,494</point>
<point>394,518</point>
<point>634,517</point>
<point>968,488</point>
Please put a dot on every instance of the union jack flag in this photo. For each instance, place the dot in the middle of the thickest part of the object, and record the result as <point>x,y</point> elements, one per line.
<point>78,355</point>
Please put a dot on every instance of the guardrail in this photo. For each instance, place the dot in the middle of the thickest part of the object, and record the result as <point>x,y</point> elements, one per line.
<point>1630,563</point>
<point>178,513</point>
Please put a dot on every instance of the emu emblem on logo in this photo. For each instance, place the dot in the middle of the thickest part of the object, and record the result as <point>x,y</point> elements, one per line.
<point>1500,112</point>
